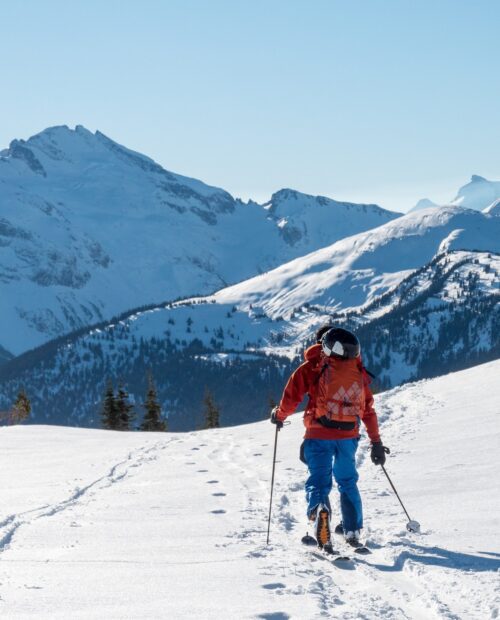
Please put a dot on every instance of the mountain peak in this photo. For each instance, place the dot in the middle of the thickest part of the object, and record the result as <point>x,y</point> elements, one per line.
<point>475,178</point>
<point>424,203</point>
<point>478,194</point>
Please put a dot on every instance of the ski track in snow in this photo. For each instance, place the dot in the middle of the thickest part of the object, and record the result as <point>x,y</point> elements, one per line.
<point>28,518</point>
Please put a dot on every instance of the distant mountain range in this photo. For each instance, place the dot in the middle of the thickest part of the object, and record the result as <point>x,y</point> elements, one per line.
<point>479,194</point>
<point>89,229</point>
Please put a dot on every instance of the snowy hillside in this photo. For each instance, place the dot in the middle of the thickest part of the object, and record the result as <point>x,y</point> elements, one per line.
<point>355,270</point>
<point>97,524</point>
<point>89,229</point>
<point>493,209</point>
<point>443,316</point>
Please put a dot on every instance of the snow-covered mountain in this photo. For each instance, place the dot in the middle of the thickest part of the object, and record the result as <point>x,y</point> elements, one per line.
<point>424,203</point>
<point>479,194</point>
<point>157,525</point>
<point>443,316</point>
<point>355,270</point>
<point>89,229</point>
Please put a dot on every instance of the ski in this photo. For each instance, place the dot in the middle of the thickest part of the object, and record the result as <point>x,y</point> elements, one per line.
<point>359,547</point>
<point>324,553</point>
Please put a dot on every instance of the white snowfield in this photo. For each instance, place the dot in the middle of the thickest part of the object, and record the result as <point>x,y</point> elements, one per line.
<point>104,525</point>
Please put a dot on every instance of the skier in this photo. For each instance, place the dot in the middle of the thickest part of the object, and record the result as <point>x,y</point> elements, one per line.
<point>337,384</point>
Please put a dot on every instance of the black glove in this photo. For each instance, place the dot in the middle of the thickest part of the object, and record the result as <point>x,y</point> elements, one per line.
<point>274,419</point>
<point>378,453</point>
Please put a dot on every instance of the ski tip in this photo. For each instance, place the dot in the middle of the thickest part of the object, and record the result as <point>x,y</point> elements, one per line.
<point>342,558</point>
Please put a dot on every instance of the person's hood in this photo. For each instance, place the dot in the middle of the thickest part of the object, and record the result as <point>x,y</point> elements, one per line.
<point>313,353</point>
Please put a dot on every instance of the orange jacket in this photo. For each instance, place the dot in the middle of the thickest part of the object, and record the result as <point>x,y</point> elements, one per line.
<point>304,381</point>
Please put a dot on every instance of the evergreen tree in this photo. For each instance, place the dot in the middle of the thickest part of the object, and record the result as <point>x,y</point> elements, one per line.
<point>124,409</point>
<point>110,418</point>
<point>152,417</point>
<point>212,413</point>
<point>21,409</point>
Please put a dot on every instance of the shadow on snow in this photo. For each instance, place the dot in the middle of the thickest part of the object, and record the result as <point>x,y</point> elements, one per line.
<point>437,556</point>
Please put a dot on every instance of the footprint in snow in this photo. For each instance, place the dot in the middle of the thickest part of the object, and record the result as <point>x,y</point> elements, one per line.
<point>218,512</point>
<point>273,586</point>
<point>212,482</point>
<point>218,494</point>
<point>274,615</point>
<point>194,448</point>
<point>202,471</point>
<point>258,454</point>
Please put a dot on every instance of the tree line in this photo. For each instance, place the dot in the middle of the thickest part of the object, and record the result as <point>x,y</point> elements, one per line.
<point>118,413</point>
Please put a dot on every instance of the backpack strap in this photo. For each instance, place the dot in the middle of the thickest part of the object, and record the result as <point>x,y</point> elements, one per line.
<point>320,373</point>
<point>370,374</point>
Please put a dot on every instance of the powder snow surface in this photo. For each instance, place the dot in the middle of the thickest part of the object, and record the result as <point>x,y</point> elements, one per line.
<point>97,524</point>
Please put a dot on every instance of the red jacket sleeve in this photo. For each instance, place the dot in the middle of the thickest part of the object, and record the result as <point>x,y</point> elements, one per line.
<point>370,417</point>
<point>295,390</point>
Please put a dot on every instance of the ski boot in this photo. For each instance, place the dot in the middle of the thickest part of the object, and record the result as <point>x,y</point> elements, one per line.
<point>323,530</point>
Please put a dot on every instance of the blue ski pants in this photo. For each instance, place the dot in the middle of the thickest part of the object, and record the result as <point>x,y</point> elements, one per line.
<point>327,457</point>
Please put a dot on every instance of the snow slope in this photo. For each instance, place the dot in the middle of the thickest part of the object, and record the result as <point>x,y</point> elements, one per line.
<point>352,271</point>
<point>97,524</point>
<point>493,208</point>
<point>90,229</point>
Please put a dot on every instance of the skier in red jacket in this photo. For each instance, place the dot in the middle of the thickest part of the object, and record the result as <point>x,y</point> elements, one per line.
<point>337,384</point>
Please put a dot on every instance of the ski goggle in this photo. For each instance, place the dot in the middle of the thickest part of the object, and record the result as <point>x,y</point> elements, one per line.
<point>346,350</point>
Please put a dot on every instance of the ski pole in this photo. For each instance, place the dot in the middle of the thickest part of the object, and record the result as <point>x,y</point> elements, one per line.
<point>272,482</point>
<point>411,526</point>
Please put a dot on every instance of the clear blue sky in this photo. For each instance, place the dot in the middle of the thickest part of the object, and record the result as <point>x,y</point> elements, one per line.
<point>375,100</point>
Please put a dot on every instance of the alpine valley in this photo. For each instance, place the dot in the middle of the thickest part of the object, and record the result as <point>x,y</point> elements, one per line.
<point>112,267</point>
